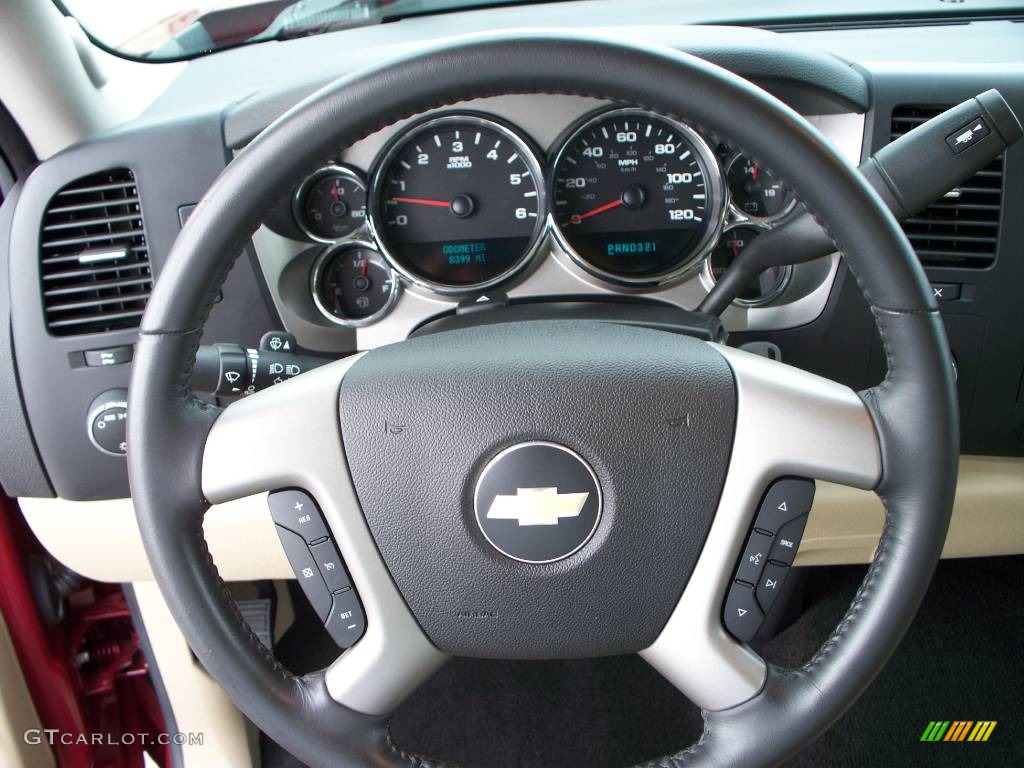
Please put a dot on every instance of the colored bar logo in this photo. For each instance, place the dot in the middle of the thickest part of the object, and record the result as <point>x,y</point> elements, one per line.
<point>958,730</point>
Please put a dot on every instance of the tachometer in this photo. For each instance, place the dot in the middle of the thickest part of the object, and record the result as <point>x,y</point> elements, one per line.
<point>458,204</point>
<point>637,197</point>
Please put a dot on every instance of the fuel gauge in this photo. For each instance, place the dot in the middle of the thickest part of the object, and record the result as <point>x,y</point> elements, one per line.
<point>353,284</point>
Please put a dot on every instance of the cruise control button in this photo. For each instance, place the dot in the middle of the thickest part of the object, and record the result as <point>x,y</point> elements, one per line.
<point>297,512</point>
<point>770,585</point>
<point>742,614</point>
<point>331,568</point>
<point>346,623</point>
<point>306,571</point>
<point>787,498</point>
<point>787,541</point>
<point>754,557</point>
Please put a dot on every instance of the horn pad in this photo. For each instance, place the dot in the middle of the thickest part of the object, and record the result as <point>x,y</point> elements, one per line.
<point>540,489</point>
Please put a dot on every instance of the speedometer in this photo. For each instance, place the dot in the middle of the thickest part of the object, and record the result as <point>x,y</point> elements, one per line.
<point>458,204</point>
<point>637,197</point>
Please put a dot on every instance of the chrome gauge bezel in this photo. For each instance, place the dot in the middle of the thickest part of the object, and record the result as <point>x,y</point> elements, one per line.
<point>708,277</point>
<point>375,217</point>
<point>743,216</point>
<point>717,208</point>
<point>298,200</point>
<point>317,272</point>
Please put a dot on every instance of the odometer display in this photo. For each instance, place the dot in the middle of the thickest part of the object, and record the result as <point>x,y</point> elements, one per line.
<point>457,203</point>
<point>637,197</point>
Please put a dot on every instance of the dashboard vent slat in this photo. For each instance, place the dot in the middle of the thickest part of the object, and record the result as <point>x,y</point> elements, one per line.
<point>94,259</point>
<point>961,230</point>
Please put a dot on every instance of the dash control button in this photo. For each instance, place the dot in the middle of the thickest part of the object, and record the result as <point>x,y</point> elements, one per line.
<point>109,356</point>
<point>297,512</point>
<point>329,562</point>
<point>755,555</point>
<point>347,622</point>
<point>787,540</point>
<point>742,614</point>
<point>306,572</point>
<point>771,584</point>
<point>786,499</point>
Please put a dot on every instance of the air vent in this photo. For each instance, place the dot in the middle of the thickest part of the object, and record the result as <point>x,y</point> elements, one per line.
<point>961,230</point>
<point>93,257</point>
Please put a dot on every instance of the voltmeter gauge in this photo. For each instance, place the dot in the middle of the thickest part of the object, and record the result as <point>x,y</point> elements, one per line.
<point>767,287</point>
<point>756,192</point>
<point>353,284</point>
<point>331,204</point>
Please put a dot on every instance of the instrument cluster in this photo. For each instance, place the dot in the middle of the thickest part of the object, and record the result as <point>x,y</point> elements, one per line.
<point>461,203</point>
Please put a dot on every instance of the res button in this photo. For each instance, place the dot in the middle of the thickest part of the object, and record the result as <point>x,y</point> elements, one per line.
<point>297,512</point>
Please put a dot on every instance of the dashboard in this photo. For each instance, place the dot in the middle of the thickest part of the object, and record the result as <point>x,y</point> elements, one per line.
<point>519,199</point>
<point>460,202</point>
<point>528,197</point>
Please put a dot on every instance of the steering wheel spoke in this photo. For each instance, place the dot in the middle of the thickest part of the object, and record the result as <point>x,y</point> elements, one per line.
<point>290,436</point>
<point>788,422</point>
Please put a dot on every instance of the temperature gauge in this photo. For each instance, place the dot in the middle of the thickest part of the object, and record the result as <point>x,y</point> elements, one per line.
<point>755,191</point>
<point>331,204</point>
<point>353,284</point>
<point>767,287</point>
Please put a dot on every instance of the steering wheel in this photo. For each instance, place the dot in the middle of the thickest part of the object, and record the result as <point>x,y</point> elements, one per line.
<point>680,437</point>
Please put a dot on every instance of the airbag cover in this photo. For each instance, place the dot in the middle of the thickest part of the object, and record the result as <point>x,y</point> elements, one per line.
<point>651,412</point>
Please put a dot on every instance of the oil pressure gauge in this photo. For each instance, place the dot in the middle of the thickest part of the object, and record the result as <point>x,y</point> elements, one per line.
<point>331,204</point>
<point>353,284</point>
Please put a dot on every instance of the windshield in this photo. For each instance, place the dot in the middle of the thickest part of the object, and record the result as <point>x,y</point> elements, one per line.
<point>161,30</point>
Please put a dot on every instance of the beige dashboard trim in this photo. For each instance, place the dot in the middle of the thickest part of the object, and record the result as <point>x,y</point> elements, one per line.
<point>988,516</point>
<point>17,712</point>
<point>100,539</point>
<point>198,702</point>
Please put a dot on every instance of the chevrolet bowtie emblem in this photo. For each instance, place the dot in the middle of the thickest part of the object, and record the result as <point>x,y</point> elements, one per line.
<point>537,506</point>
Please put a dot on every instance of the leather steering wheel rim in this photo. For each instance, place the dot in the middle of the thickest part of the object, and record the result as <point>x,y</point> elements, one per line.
<point>913,410</point>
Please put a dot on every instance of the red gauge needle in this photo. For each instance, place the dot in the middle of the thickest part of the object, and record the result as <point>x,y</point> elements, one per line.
<point>735,249</point>
<point>599,209</point>
<point>335,192</point>
<point>362,271</point>
<point>421,201</point>
<point>753,173</point>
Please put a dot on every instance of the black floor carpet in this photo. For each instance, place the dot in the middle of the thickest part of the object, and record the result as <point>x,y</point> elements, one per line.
<point>962,660</point>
